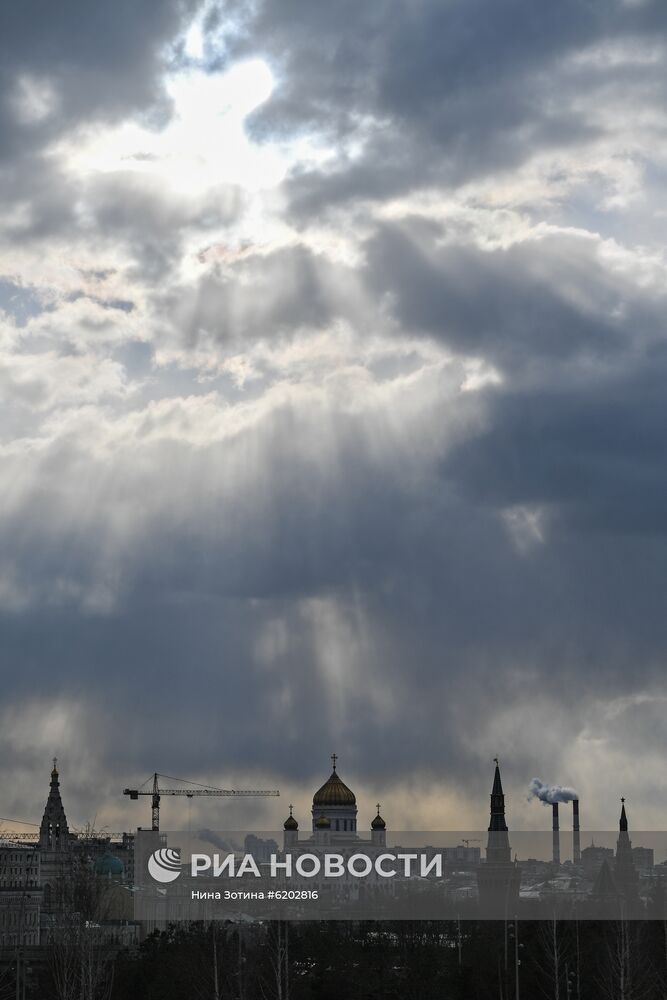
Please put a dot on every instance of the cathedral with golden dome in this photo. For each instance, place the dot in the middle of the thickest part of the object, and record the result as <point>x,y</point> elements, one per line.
<point>334,817</point>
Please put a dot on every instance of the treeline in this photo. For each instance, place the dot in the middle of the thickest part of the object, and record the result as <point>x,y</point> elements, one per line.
<point>624,960</point>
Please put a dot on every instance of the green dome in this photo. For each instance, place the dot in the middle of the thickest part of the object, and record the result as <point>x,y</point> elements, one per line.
<point>109,864</point>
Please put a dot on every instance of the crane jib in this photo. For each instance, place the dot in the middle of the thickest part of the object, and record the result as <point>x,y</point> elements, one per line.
<point>156,792</point>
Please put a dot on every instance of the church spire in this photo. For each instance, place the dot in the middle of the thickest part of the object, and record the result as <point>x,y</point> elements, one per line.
<point>624,868</point>
<point>53,831</point>
<point>498,878</point>
<point>498,845</point>
<point>497,802</point>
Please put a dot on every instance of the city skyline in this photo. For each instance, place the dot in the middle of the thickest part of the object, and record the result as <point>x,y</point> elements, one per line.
<point>212,811</point>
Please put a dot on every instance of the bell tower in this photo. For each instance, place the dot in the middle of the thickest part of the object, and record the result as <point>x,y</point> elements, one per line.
<point>54,832</point>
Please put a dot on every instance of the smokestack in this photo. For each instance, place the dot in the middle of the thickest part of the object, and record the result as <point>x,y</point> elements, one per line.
<point>576,849</point>
<point>556,834</point>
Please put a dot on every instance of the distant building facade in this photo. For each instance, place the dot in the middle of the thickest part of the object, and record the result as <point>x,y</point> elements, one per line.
<point>20,895</point>
<point>593,857</point>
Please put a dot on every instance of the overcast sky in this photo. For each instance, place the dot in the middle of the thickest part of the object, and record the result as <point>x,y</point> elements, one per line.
<point>333,404</point>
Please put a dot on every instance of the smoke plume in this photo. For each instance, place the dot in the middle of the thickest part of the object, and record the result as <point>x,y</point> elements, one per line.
<point>550,793</point>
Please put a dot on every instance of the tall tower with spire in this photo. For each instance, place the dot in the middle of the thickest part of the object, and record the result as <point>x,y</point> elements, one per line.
<point>55,845</point>
<point>53,831</point>
<point>498,879</point>
<point>625,873</point>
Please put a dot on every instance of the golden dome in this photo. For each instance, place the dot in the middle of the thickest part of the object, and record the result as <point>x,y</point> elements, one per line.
<point>378,823</point>
<point>334,792</point>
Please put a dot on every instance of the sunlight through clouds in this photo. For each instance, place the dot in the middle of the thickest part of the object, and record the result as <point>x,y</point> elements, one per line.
<point>204,143</point>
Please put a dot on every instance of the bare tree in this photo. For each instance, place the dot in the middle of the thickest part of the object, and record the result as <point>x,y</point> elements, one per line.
<point>626,974</point>
<point>82,948</point>
<point>276,985</point>
<point>553,958</point>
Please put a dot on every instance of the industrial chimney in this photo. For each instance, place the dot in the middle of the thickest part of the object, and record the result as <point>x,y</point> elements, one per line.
<point>556,834</point>
<point>576,848</point>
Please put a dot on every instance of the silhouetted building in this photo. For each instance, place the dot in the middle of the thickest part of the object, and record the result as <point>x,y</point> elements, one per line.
<point>625,873</point>
<point>643,858</point>
<point>593,857</point>
<point>498,877</point>
<point>55,844</point>
<point>462,856</point>
<point>334,820</point>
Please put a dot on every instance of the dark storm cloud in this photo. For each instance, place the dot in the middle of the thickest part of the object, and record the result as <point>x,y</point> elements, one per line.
<point>198,599</point>
<point>549,297</point>
<point>473,86</point>
<point>594,452</point>
<point>428,568</point>
<point>49,196</point>
<point>101,61</point>
<point>576,423</point>
<point>405,556</point>
<point>445,594</point>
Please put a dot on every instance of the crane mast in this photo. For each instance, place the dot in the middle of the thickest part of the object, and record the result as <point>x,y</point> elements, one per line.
<point>155,792</point>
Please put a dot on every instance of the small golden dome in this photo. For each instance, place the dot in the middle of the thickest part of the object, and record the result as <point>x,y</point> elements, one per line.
<point>378,823</point>
<point>290,823</point>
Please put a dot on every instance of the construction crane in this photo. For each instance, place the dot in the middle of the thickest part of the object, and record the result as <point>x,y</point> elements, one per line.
<point>156,792</point>
<point>14,836</point>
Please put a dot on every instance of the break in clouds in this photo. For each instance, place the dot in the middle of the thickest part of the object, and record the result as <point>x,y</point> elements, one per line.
<point>332,368</point>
